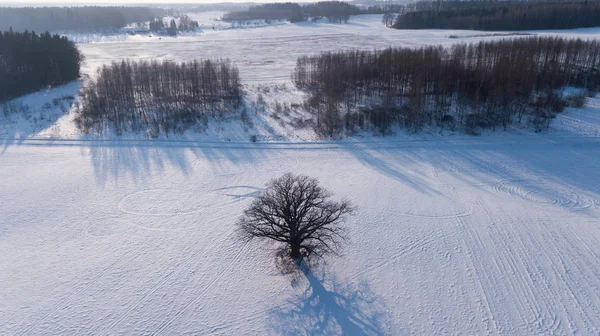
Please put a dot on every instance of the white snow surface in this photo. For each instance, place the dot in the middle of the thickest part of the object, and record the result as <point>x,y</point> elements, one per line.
<point>497,234</point>
<point>268,54</point>
<point>487,235</point>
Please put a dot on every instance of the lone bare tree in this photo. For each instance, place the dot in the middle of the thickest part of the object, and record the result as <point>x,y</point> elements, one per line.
<point>388,19</point>
<point>298,214</point>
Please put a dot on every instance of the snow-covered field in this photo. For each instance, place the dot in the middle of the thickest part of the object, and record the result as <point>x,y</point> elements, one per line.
<point>475,236</point>
<point>498,234</point>
<point>268,54</point>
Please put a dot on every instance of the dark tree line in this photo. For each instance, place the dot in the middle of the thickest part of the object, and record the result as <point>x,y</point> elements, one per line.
<point>30,62</point>
<point>210,7</point>
<point>157,96</point>
<point>383,7</point>
<point>335,11</point>
<point>497,15</point>
<point>386,8</point>
<point>74,18</point>
<point>388,19</point>
<point>275,11</point>
<point>156,24</point>
<point>483,85</point>
<point>438,5</point>
<point>186,23</point>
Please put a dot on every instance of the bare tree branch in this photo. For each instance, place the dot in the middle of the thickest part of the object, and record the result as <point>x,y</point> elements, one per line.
<point>297,212</point>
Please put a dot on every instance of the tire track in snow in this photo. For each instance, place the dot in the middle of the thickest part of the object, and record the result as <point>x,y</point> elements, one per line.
<point>593,283</point>
<point>567,199</point>
<point>425,240</point>
<point>89,229</point>
<point>461,213</point>
<point>476,275</point>
<point>235,322</point>
<point>524,189</point>
<point>428,239</point>
<point>545,275</point>
<point>193,208</point>
<point>175,273</point>
<point>180,268</point>
<point>582,298</point>
<point>553,288</point>
<point>306,145</point>
<point>121,205</point>
<point>153,289</point>
<point>76,295</point>
<point>196,297</point>
<point>511,263</point>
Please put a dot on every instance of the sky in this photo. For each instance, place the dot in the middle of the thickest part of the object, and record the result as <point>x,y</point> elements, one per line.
<point>22,3</point>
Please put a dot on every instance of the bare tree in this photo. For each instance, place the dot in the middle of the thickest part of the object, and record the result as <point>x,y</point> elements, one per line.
<point>298,214</point>
<point>158,96</point>
<point>388,19</point>
<point>494,81</point>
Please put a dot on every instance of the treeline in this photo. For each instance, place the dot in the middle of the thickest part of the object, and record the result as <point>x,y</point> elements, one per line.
<point>385,9</point>
<point>30,62</point>
<point>495,15</point>
<point>480,85</point>
<point>382,7</point>
<point>276,11</point>
<point>157,97</point>
<point>438,5</point>
<point>74,18</point>
<point>157,25</point>
<point>335,11</point>
<point>186,23</point>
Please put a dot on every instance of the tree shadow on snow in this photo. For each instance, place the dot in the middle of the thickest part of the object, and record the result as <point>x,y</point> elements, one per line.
<point>559,171</point>
<point>344,309</point>
<point>34,113</point>
<point>117,160</point>
<point>141,159</point>
<point>370,156</point>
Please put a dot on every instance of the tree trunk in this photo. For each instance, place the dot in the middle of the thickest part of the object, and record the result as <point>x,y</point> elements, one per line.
<point>296,255</point>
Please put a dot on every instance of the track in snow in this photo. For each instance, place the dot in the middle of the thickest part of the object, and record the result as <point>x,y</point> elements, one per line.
<point>542,194</point>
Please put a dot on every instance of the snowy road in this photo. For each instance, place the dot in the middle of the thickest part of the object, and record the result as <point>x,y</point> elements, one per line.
<point>487,236</point>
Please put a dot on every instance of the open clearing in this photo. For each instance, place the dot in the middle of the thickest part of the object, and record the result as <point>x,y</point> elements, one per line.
<point>498,234</point>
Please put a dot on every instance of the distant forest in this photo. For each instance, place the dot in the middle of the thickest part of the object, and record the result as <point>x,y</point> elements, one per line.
<point>157,25</point>
<point>501,15</point>
<point>475,86</point>
<point>158,97</point>
<point>74,18</point>
<point>30,62</point>
<point>335,11</point>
